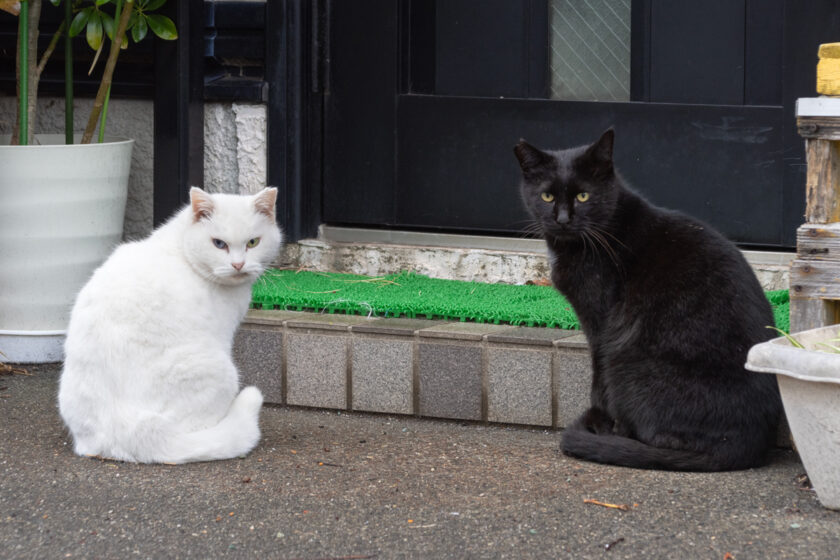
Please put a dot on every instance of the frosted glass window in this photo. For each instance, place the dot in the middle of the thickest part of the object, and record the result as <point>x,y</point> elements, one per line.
<point>590,50</point>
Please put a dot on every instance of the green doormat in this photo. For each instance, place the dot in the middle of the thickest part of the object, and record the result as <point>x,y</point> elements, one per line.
<point>413,295</point>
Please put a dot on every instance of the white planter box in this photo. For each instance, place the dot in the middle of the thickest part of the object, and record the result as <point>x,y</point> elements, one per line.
<point>61,215</point>
<point>809,381</point>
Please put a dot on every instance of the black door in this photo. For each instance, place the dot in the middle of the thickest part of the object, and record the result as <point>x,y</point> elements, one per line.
<point>426,98</point>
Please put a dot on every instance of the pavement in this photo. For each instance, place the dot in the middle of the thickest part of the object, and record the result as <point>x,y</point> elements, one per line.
<point>355,486</point>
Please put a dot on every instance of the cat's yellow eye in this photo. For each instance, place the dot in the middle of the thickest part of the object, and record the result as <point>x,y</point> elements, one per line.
<point>253,242</point>
<point>547,197</point>
<point>582,197</point>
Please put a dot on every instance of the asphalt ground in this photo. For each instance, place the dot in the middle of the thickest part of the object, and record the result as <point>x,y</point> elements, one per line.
<point>356,486</point>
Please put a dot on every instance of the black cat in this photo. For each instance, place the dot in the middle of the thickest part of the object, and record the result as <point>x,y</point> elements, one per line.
<point>670,309</point>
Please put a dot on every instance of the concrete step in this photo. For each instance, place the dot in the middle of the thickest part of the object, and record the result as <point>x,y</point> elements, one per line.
<point>428,368</point>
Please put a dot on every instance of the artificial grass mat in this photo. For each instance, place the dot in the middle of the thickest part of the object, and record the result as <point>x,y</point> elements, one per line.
<point>408,294</point>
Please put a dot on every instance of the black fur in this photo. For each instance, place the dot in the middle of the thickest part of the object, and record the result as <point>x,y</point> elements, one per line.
<point>670,309</point>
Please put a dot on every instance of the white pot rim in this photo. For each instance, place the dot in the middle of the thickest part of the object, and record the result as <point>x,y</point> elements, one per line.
<point>56,141</point>
<point>778,356</point>
<point>33,333</point>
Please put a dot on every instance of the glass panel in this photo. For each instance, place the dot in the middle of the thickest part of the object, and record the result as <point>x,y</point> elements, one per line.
<point>590,50</point>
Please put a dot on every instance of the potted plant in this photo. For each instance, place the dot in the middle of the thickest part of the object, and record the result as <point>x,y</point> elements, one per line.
<point>807,367</point>
<point>62,197</point>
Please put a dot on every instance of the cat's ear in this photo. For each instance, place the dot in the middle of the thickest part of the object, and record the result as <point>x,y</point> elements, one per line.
<point>265,201</point>
<point>600,154</point>
<point>202,204</point>
<point>603,149</point>
<point>531,159</point>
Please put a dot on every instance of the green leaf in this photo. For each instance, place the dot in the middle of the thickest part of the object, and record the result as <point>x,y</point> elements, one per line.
<point>55,2</point>
<point>162,26</point>
<point>100,2</point>
<point>108,24</point>
<point>94,31</point>
<point>795,343</point>
<point>834,349</point>
<point>153,5</point>
<point>80,21</point>
<point>138,32</point>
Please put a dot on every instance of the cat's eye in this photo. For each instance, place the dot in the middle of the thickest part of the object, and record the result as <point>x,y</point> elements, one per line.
<point>582,197</point>
<point>219,243</point>
<point>547,197</point>
<point>253,242</point>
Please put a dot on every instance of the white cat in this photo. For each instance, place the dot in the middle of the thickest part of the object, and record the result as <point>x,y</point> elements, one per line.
<point>148,375</point>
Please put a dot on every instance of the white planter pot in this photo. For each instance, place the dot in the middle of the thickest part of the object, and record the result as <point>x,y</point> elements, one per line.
<point>809,381</point>
<point>61,215</point>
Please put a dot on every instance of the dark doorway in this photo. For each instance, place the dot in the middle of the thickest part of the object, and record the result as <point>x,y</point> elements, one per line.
<point>426,98</point>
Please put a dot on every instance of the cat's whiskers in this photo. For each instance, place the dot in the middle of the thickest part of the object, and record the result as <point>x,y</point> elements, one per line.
<point>598,236</point>
<point>587,242</point>
<point>606,233</point>
<point>532,230</point>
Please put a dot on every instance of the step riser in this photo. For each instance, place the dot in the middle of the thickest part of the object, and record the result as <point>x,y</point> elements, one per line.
<point>462,371</point>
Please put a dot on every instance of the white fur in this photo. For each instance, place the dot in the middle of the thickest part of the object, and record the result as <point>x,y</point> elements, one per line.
<point>148,375</point>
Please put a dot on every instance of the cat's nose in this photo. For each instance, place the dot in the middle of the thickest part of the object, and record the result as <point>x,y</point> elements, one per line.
<point>237,265</point>
<point>562,216</point>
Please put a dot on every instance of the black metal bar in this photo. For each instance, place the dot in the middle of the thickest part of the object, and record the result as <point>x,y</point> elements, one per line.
<point>179,109</point>
<point>640,50</point>
<point>294,113</point>
<point>417,61</point>
<point>537,51</point>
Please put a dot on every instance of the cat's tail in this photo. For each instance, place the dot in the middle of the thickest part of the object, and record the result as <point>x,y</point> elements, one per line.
<point>617,450</point>
<point>236,434</point>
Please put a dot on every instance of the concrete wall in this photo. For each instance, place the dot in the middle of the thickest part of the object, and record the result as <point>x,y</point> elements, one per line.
<point>234,147</point>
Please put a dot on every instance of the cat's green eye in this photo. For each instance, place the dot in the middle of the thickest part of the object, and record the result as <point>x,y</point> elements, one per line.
<point>253,242</point>
<point>547,197</point>
<point>582,197</point>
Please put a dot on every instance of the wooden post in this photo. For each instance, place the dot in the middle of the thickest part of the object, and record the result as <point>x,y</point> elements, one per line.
<point>815,273</point>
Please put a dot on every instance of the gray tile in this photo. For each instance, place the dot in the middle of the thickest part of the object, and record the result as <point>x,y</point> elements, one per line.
<point>275,317</point>
<point>398,326</point>
<point>463,330</point>
<point>577,340</point>
<point>327,321</point>
<point>316,370</point>
<point>450,381</point>
<point>382,375</point>
<point>519,386</point>
<point>258,354</point>
<point>572,383</point>
<point>532,336</point>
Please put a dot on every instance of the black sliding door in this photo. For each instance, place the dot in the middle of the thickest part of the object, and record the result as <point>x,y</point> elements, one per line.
<point>424,100</point>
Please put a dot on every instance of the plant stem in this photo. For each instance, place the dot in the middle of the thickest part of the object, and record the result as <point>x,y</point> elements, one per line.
<point>27,66</point>
<point>107,76</point>
<point>104,116</point>
<point>50,49</point>
<point>68,74</point>
<point>23,81</point>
